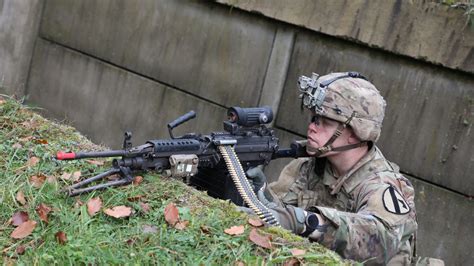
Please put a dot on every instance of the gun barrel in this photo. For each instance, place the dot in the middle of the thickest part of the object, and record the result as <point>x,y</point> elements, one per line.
<point>82,155</point>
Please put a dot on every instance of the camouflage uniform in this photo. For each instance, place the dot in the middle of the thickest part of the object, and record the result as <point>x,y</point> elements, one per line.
<point>369,212</point>
<point>361,227</point>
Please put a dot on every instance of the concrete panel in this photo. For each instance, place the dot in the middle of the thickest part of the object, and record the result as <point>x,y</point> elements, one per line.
<point>445,224</point>
<point>198,47</point>
<point>19,23</point>
<point>425,30</point>
<point>430,114</point>
<point>103,101</point>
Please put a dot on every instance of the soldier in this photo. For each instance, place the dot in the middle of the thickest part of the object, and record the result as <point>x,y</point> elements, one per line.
<point>346,196</point>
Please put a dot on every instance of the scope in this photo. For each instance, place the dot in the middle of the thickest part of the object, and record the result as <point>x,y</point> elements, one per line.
<point>249,117</point>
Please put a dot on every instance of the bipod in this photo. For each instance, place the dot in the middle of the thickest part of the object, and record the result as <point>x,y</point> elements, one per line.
<point>124,172</point>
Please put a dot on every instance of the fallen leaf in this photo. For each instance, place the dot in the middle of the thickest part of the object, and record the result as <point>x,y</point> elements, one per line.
<point>119,211</point>
<point>135,198</point>
<point>20,250</point>
<point>255,222</point>
<point>171,214</point>
<point>149,229</point>
<point>260,240</point>
<point>145,207</point>
<point>130,242</point>
<point>93,206</point>
<point>95,162</point>
<point>20,197</point>
<point>43,210</point>
<point>181,225</point>
<point>75,176</point>
<point>291,262</point>
<point>32,161</point>
<point>37,180</point>
<point>2,101</point>
<point>137,180</point>
<point>205,229</point>
<point>41,141</point>
<point>61,237</point>
<point>17,146</point>
<point>66,176</point>
<point>19,217</point>
<point>239,263</point>
<point>235,230</point>
<point>297,252</point>
<point>24,230</point>
<point>31,124</point>
<point>26,139</point>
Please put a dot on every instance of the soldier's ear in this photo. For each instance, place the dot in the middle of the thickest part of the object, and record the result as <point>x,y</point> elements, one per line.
<point>352,137</point>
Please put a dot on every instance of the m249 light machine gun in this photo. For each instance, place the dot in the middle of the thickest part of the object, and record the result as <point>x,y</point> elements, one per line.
<point>216,162</point>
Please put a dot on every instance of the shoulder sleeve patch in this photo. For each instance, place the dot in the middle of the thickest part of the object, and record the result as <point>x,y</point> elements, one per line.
<point>394,202</point>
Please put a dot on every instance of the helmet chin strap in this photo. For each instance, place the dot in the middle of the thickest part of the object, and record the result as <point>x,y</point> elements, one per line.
<point>328,146</point>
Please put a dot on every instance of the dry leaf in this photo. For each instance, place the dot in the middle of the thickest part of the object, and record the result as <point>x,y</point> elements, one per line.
<point>171,214</point>
<point>61,237</point>
<point>66,176</point>
<point>2,101</point>
<point>19,217</point>
<point>24,230</point>
<point>94,162</point>
<point>32,161</point>
<point>145,207</point>
<point>17,146</point>
<point>137,180</point>
<point>119,211</point>
<point>43,211</point>
<point>297,252</point>
<point>20,250</point>
<point>37,181</point>
<point>181,225</point>
<point>135,198</point>
<point>20,197</point>
<point>93,206</point>
<point>41,141</point>
<point>260,240</point>
<point>255,222</point>
<point>235,230</point>
<point>239,263</point>
<point>26,139</point>
<point>205,229</point>
<point>291,262</point>
<point>75,176</point>
<point>149,229</point>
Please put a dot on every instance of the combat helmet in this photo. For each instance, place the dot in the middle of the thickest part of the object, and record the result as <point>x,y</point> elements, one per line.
<point>346,97</point>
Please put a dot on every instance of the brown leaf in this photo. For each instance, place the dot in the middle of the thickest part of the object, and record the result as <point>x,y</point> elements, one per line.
<point>20,197</point>
<point>61,237</point>
<point>24,230</point>
<point>26,139</point>
<point>93,206</point>
<point>43,211</point>
<point>181,225</point>
<point>66,176</point>
<point>20,250</point>
<point>17,146</point>
<point>95,162</point>
<point>205,229</point>
<point>2,101</point>
<point>145,207</point>
<point>135,198</point>
<point>41,141</point>
<point>255,222</point>
<point>239,263</point>
<point>171,214</point>
<point>137,180</point>
<point>291,262</point>
<point>75,176</point>
<point>119,211</point>
<point>32,161</point>
<point>37,180</point>
<point>149,229</point>
<point>297,252</point>
<point>260,240</point>
<point>235,230</point>
<point>19,217</point>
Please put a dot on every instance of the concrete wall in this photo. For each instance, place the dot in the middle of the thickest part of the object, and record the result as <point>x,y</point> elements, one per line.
<point>19,21</point>
<point>110,66</point>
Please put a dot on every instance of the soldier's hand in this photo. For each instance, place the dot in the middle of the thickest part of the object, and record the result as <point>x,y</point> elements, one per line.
<point>301,222</point>
<point>256,177</point>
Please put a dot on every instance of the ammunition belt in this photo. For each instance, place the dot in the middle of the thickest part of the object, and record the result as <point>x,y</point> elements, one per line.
<point>243,186</point>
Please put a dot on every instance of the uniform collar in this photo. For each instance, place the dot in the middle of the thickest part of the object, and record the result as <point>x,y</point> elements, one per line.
<point>371,162</point>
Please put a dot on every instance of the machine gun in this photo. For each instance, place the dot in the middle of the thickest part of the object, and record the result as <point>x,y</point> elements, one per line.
<point>216,162</point>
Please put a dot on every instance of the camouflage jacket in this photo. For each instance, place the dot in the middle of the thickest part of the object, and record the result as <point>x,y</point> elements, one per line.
<point>371,209</point>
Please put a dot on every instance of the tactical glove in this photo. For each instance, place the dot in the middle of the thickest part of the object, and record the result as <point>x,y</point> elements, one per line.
<point>301,222</point>
<point>259,182</point>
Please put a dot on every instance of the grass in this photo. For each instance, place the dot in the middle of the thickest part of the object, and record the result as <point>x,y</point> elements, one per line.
<point>101,239</point>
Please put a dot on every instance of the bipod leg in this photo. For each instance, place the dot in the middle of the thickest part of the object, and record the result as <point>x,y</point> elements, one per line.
<point>124,172</point>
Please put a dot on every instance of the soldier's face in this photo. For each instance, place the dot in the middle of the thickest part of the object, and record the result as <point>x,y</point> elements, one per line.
<point>320,130</point>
